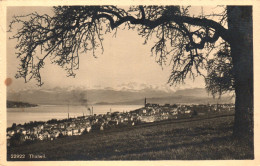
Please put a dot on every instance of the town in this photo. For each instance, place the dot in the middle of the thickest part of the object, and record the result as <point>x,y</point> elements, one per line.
<point>53,129</point>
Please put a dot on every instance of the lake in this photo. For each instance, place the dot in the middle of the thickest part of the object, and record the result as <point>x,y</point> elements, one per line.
<point>47,112</point>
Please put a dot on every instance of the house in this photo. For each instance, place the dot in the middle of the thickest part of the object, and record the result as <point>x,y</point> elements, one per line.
<point>33,136</point>
<point>113,122</point>
<point>167,106</point>
<point>80,117</point>
<point>142,111</point>
<point>72,124</point>
<point>81,129</point>
<point>36,130</point>
<point>28,137</point>
<point>121,120</point>
<point>126,119</point>
<point>55,133</point>
<point>152,111</point>
<point>18,129</point>
<point>28,131</point>
<point>108,118</point>
<point>11,132</point>
<point>149,105</point>
<point>73,119</point>
<point>102,127</point>
<point>40,127</point>
<point>43,136</point>
<point>40,137</point>
<point>164,113</point>
<point>69,131</point>
<point>48,127</point>
<point>93,121</point>
<point>88,128</point>
<point>132,123</point>
<point>64,132</point>
<point>101,120</point>
<point>23,131</point>
<point>147,119</point>
<point>115,113</point>
<point>173,111</point>
<point>75,131</point>
<point>87,122</point>
<point>187,111</point>
<point>164,117</point>
<point>61,125</point>
<point>130,118</point>
<point>46,134</point>
<point>97,127</point>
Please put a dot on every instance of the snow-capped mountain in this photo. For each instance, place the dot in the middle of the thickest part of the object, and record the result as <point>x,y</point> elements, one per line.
<point>133,86</point>
<point>128,93</point>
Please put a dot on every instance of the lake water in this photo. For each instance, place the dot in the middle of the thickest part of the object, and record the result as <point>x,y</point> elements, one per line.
<point>47,112</point>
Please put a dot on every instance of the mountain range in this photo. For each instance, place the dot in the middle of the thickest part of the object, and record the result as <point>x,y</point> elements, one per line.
<point>121,95</point>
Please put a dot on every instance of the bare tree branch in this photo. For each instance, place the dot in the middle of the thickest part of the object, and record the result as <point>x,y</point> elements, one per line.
<point>80,28</point>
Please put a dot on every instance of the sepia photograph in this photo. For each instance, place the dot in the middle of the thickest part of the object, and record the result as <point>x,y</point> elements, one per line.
<point>129,83</point>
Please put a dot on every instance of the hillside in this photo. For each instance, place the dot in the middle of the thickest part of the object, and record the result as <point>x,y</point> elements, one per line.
<point>199,138</point>
<point>173,100</point>
<point>16,104</point>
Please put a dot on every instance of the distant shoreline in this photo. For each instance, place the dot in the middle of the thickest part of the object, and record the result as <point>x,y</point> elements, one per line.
<point>18,104</point>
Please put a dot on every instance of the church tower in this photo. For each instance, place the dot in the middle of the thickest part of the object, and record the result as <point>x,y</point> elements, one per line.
<point>145,102</point>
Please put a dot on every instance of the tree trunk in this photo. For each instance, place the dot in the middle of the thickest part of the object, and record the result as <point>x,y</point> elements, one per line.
<point>241,42</point>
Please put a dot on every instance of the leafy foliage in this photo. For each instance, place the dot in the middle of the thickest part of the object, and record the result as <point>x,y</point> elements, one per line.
<point>220,78</point>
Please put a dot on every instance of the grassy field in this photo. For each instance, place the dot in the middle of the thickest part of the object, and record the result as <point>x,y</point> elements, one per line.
<point>198,138</point>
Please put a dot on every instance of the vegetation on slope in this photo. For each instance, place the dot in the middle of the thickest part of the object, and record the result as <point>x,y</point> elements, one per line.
<point>184,139</point>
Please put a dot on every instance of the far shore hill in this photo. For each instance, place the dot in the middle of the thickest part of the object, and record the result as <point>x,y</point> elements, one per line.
<point>174,100</point>
<point>17,104</point>
<point>79,96</point>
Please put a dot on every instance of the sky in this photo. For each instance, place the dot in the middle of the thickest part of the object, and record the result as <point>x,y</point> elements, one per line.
<point>125,59</point>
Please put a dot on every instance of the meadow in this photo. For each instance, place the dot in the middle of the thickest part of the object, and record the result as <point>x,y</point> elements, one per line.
<point>197,138</point>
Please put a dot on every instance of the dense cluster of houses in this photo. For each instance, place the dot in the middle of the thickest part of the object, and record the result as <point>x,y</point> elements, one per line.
<point>81,125</point>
